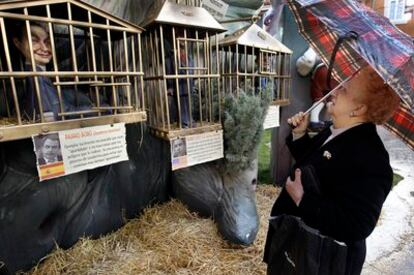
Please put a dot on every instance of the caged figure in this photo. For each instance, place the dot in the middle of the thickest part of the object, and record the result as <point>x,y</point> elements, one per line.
<point>42,55</point>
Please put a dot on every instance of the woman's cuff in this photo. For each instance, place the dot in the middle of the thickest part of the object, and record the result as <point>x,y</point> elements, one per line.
<point>297,136</point>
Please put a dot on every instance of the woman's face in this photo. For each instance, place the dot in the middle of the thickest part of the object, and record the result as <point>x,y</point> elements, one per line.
<point>41,46</point>
<point>345,100</point>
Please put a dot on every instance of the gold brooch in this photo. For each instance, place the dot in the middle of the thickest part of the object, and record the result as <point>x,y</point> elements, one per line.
<point>327,155</point>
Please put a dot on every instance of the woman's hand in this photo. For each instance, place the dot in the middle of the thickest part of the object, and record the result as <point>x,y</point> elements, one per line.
<point>299,123</point>
<point>295,187</point>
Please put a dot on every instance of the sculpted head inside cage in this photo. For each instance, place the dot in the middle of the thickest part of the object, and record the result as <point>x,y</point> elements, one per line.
<point>41,51</point>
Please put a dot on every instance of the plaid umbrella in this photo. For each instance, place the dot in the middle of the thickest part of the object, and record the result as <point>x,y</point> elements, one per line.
<point>379,43</point>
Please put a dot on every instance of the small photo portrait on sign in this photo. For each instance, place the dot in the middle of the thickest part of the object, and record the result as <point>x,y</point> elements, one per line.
<point>47,148</point>
<point>178,147</point>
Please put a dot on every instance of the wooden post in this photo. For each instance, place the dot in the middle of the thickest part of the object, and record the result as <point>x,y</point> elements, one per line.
<point>10,69</point>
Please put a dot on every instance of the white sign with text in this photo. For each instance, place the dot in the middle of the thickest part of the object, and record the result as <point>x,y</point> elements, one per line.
<point>93,147</point>
<point>195,149</point>
<point>217,8</point>
<point>272,118</point>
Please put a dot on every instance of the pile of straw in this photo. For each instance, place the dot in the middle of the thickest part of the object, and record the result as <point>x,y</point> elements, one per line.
<point>12,121</point>
<point>5,121</point>
<point>166,239</point>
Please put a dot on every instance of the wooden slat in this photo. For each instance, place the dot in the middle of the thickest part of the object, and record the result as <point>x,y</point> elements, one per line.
<point>113,108</point>
<point>165,113</point>
<point>110,84</point>
<point>67,74</point>
<point>70,83</point>
<point>94,67</point>
<point>200,102</point>
<point>26,131</point>
<point>125,38</point>
<point>111,65</point>
<point>219,87</point>
<point>10,69</point>
<point>174,133</point>
<point>54,58</point>
<point>141,69</point>
<point>65,22</point>
<point>33,63</point>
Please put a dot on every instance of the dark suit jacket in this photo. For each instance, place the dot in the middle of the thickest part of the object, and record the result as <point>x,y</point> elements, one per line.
<point>42,161</point>
<point>50,99</point>
<point>354,183</point>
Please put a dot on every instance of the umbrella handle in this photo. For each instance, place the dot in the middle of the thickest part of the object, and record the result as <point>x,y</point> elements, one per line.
<point>325,97</point>
<point>341,39</point>
<point>320,101</point>
<point>349,35</point>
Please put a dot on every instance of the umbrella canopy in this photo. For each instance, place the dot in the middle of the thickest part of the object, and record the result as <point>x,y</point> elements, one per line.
<point>379,43</point>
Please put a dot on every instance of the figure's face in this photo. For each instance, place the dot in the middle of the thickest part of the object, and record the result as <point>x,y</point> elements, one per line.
<point>179,146</point>
<point>41,46</point>
<point>50,149</point>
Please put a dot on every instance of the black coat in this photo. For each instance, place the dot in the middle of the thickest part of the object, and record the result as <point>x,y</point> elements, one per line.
<point>354,183</point>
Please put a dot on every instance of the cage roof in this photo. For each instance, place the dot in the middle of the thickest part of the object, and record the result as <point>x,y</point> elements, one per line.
<point>166,12</point>
<point>99,16</point>
<point>254,36</point>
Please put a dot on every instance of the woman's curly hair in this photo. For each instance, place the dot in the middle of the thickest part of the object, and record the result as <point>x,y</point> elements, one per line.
<point>379,97</point>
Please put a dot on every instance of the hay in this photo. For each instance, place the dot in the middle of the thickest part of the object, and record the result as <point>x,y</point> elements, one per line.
<point>7,122</point>
<point>166,239</point>
<point>12,122</point>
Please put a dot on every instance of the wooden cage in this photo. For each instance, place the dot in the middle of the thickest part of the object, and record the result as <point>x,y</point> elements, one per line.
<point>181,80</point>
<point>254,61</point>
<point>64,65</point>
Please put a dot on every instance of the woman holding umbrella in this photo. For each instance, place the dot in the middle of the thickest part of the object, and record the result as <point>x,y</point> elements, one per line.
<point>348,161</point>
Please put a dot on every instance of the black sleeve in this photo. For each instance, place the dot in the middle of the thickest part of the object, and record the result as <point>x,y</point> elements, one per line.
<point>353,213</point>
<point>298,147</point>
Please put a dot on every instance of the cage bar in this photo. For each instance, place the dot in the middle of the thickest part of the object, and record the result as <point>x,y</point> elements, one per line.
<point>10,69</point>
<point>250,57</point>
<point>93,47</point>
<point>177,42</point>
